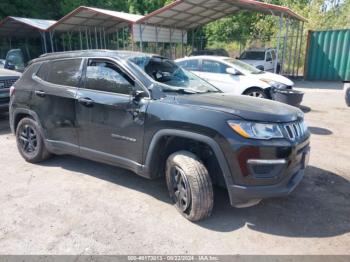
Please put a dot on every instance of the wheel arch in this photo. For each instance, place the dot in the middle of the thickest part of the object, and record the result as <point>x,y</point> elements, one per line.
<point>159,142</point>
<point>19,114</point>
<point>265,90</point>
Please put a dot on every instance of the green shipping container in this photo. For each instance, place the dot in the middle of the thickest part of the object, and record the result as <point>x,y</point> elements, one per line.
<point>328,55</point>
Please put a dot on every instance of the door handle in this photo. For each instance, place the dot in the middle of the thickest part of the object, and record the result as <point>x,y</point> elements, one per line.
<point>86,101</point>
<point>40,93</point>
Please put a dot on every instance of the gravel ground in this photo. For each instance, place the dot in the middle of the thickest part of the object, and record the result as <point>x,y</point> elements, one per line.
<point>72,206</point>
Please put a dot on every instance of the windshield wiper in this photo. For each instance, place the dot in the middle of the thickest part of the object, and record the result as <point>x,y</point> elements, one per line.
<point>181,91</point>
<point>258,73</point>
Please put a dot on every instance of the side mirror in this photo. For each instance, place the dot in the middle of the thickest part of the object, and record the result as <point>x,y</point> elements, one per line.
<point>232,71</point>
<point>138,95</point>
<point>268,59</point>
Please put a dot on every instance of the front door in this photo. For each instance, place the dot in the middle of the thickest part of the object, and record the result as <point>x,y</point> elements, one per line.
<point>110,121</point>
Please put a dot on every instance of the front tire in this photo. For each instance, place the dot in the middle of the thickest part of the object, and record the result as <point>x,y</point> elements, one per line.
<point>256,92</point>
<point>189,186</point>
<point>30,142</point>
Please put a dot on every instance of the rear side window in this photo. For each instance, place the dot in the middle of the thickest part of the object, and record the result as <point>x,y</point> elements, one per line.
<point>214,67</point>
<point>191,65</point>
<point>65,72</point>
<point>43,71</point>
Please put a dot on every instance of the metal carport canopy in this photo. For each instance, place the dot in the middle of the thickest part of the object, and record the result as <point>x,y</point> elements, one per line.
<point>23,27</point>
<point>83,17</point>
<point>189,14</point>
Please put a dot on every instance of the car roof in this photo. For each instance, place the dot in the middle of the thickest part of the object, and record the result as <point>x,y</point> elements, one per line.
<point>210,57</point>
<point>206,57</point>
<point>123,55</point>
<point>259,49</point>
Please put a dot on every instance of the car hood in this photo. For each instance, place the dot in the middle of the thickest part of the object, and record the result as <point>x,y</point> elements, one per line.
<point>275,77</point>
<point>254,62</point>
<point>248,108</point>
<point>7,73</point>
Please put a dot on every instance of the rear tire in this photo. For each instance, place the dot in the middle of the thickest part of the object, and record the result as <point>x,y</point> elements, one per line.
<point>256,92</point>
<point>30,142</point>
<point>189,186</point>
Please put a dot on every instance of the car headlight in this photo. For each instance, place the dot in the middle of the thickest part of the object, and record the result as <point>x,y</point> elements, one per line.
<point>275,84</point>
<point>256,130</point>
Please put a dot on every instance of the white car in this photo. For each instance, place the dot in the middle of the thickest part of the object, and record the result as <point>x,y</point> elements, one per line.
<point>261,58</point>
<point>234,76</point>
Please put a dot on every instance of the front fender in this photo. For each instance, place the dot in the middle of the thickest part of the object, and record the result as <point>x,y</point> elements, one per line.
<point>152,150</point>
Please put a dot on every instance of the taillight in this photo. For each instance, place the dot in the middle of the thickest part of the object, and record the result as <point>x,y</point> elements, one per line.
<point>12,90</point>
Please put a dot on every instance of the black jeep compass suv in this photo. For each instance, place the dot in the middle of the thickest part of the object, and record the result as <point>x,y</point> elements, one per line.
<point>144,113</point>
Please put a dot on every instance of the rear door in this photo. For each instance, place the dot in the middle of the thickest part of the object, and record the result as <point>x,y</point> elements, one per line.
<point>192,65</point>
<point>110,122</point>
<point>54,101</point>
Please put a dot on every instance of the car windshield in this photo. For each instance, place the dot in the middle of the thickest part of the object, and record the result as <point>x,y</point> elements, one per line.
<point>175,78</point>
<point>253,55</point>
<point>15,58</point>
<point>242,66</point>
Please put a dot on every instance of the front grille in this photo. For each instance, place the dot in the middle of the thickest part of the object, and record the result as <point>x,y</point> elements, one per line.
<point>7,83</point>
<point>295,130</point>
<point>4,100</point>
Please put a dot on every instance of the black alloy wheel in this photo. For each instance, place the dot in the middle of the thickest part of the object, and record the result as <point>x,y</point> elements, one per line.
<point>28,139</point>
<point>181,189</point>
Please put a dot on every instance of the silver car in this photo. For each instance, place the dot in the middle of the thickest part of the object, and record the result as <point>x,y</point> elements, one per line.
<point>7,79</point>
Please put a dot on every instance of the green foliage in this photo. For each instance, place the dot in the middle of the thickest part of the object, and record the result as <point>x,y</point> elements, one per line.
<point>145,6</point>
<point>48,9</point>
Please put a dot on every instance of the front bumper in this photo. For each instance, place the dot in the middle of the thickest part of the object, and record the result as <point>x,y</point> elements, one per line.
<point>264,172</point>
<point>287,96</point>
<point>4,100</point>
<point>4,105</point>
<point>239,195</point>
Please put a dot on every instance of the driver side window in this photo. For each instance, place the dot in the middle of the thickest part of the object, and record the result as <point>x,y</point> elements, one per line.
<point>268,57</point>
<point>106,76</point>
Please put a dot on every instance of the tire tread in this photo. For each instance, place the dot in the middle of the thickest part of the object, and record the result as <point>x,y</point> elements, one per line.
<point>200,184</point>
